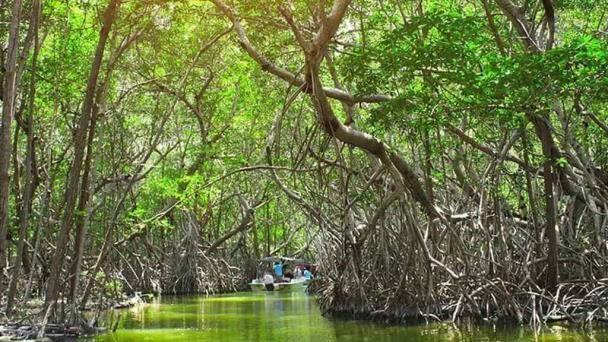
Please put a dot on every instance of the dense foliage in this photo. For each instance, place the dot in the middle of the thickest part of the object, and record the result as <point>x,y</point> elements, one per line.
<point>436,158</point>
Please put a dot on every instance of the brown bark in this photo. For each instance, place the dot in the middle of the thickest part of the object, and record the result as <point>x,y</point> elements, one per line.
<point>550,16</point>
<point>85,191</point>
<point>485,149</point>
<point>521,24</point>
<point>543,131</point>
<point>82,216</point>
<point>284,74</point>
<point>43,224</point>
<point>28,187</point>
<point>246,223</point>
<point>8,112</point>
<point>492,24</point>
<point>79,147</point>
<point>532,211</point>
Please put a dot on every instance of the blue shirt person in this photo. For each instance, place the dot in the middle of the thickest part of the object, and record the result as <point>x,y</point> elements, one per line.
<point>278,269</point>
<point>307,274</point>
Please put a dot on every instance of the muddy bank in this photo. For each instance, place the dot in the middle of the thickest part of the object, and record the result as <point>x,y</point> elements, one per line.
<point>53,332</point>
<point>66,332</point>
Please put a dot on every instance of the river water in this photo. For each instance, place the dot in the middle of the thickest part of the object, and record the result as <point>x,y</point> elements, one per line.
<point>292,317</point>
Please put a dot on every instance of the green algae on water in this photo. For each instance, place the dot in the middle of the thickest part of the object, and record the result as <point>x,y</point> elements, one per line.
<point>294,317</point>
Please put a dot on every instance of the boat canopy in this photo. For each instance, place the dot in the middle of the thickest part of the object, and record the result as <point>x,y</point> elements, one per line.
<point>283,259</point>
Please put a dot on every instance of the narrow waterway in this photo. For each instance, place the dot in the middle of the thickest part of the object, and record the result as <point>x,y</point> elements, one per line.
<point>292,318</point>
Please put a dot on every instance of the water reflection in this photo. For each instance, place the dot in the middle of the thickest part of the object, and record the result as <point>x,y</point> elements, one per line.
<point>293,318</point>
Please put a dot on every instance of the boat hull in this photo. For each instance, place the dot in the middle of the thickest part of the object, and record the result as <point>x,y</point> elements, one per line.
<point>293,286</point>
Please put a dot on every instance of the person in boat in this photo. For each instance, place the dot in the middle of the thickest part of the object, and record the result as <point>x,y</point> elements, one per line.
<point>298,272</point>
<point>268,281</point>
<point>278,269</point>
<point>307,274</point>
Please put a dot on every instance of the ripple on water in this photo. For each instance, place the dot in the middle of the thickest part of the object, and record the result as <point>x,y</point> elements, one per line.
<point>294,317</point>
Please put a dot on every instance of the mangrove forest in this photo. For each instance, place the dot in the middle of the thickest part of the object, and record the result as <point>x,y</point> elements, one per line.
<point>400,161</point>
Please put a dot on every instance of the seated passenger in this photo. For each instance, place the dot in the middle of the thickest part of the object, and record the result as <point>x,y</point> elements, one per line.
<point>278,269</point>
<point>268,281</point>
<point>268,278</point>
<point>307,274</point>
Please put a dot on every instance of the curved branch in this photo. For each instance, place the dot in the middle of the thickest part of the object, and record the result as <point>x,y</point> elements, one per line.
<point>285,74</point>
<point>521,24</point>
<point>487,150</point>
<point>246,221</point>
<point>550,15</point>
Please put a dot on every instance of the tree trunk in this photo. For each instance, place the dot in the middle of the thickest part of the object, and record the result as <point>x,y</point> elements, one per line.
<point>85,192</point>
<point>543,131</point>
<point>8,112</point>
<point>82,218</point>
<point>28,187</point>
<point>79,147</point>
<point>43,223</point>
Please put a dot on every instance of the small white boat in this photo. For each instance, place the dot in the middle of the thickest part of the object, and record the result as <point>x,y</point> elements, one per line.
<point>294,285</point>
<point>266,282</point>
